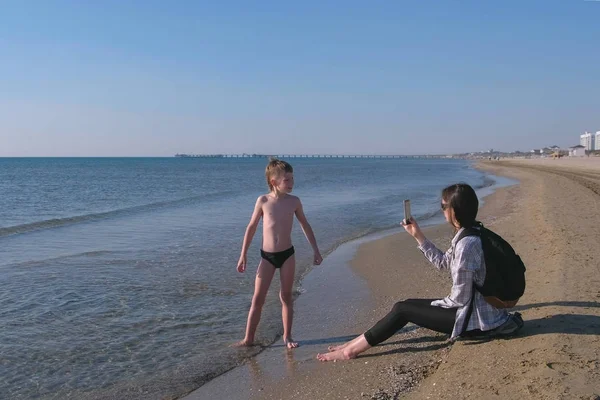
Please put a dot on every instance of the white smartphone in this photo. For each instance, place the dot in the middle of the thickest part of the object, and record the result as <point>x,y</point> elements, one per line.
<point>407,214</point>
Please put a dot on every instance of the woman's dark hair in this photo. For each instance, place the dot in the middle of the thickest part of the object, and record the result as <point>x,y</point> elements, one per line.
<point>463,200</point>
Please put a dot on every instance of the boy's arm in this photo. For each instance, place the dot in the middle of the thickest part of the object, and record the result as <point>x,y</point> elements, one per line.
<point>250,231</point>
<point>308,232</point>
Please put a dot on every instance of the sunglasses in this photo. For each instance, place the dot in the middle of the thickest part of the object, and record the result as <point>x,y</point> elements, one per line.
<point>444,207</point>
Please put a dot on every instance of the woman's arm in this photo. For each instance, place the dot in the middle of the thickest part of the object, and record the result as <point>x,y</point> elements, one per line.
<point>433,254</point>
<point>467,259</point>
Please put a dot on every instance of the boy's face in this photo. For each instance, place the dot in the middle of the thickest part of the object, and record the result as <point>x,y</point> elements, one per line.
<point>284,183</point>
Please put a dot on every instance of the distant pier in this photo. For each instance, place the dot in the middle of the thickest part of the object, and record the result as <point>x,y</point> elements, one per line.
<point>288,156</point>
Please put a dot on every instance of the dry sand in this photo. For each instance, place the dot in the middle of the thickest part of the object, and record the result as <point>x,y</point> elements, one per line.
<point>552,220</point>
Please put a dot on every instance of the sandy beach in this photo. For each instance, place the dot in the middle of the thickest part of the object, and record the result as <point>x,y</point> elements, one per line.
<point>551,219</point>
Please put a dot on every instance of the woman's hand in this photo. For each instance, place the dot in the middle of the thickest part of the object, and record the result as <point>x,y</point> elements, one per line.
<point>414,230</point>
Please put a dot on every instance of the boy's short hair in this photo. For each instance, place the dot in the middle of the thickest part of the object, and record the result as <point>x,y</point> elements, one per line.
<point>276,167</point>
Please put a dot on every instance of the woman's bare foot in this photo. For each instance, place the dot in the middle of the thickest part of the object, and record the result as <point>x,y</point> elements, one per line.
<point>354,341</point>
<point>336,355</point>
<point>338,347</point>
<point>243,343</point>
<point>290,343</point>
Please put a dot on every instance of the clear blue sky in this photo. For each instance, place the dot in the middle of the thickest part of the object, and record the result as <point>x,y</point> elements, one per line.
<point>153,78</point>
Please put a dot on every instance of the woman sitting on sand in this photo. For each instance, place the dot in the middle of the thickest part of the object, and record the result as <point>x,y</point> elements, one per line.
<point>465,261</point>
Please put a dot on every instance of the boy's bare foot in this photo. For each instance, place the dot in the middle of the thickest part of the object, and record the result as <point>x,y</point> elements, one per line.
<point>243,343</point>
<point>290,343</point>
<point>335,355</point>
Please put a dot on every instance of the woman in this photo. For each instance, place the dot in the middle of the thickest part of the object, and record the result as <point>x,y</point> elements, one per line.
<point>450,315</point>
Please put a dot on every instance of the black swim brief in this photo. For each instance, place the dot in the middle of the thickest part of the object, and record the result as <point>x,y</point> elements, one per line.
<point>277,259</point>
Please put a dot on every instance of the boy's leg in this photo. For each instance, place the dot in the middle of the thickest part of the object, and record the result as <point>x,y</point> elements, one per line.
<point>286,275</point>
<point>264,276</point>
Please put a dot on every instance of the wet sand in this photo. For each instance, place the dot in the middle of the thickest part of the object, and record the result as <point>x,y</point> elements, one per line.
<point>340,303</point>
<point>552,220</point>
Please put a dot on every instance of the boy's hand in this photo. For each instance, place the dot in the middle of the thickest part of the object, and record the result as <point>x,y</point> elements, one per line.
<point>317,258</point>
<point>241,267</point>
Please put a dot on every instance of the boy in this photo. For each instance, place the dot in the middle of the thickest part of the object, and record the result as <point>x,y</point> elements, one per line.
<point>277,208</point>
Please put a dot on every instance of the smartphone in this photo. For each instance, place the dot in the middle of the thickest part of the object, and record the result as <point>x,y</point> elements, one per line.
<point>407,214</point>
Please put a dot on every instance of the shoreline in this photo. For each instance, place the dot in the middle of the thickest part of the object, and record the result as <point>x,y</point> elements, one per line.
<point>555,356</point>
<point>276,372</point>
<point>393,269</point>
<point>365,309</point>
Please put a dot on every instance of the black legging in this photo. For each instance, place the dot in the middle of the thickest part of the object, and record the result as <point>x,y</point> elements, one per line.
<point>417,311</point>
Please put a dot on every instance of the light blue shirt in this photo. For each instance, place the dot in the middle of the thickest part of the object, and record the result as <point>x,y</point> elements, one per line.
<point>467,265</point>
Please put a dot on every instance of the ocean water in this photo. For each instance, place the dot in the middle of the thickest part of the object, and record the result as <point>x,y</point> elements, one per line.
<point>118,274</point>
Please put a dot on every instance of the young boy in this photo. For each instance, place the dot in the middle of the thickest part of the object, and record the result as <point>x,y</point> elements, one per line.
<point>277,208</point>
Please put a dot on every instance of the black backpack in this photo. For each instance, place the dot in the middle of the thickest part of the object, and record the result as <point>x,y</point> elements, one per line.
<point>504,270</point>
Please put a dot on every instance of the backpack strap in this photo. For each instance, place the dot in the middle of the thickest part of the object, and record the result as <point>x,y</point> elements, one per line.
<point>471,231</point>
<point>469,312</point>
<point>475,230</point>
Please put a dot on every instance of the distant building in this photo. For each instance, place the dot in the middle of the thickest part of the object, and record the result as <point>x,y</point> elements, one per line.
<point>588,140</point>
<point>577,151</point>
<point>546,151</point>
<point>597,141</point>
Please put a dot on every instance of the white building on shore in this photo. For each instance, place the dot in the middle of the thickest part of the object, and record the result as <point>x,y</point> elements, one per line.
<point>588,140</point>
<point>597,140</point>
<point>577,151</point>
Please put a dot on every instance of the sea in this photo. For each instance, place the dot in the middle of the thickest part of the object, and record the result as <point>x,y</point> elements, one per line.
<point>118,275</point>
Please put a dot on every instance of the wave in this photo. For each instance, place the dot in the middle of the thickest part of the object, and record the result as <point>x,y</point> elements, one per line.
<point>44,261</point>
<point>60,222</point>
<point>487,182</point>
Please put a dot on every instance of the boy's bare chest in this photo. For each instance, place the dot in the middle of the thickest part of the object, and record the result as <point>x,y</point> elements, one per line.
<point>281,209</point>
